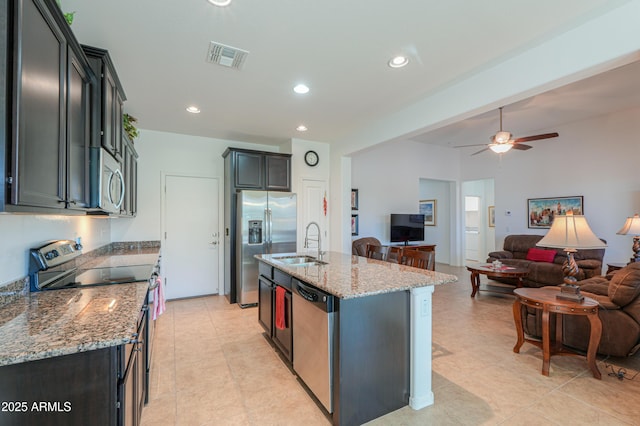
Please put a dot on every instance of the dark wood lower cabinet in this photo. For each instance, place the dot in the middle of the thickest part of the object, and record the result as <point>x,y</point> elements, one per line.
<point>78,389</point>
<point>98,387</point>
<point>265,305</point>
<point>283,337</point>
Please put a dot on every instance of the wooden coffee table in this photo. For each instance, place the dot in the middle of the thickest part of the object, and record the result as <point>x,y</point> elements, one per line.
<point>487,269</point>
<point>545,298</point>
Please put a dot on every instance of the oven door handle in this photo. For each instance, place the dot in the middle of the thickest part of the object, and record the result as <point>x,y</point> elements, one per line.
<point>57,278</point>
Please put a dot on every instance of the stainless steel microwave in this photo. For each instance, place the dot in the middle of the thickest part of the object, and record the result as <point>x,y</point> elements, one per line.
<point>108,186</point>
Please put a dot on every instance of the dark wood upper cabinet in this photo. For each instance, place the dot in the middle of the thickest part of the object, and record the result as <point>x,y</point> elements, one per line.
<point>278,172</point>
<point>78,131</point>
<point>249,170</point>
<point>258,170</point>
<point>50,121</point>
<point>130,172</point>
<point>108,99</point>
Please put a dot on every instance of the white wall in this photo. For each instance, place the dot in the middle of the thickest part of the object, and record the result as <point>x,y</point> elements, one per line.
<point>595,158</point>
<point>440,234</point>
<point>20,232</point>
<point>162,152</point>
<point>300,172</point>
<point>388,178</point>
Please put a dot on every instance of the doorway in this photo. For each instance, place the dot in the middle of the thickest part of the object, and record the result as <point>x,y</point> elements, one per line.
<point>314,194</point>
<point>472,228</point>
<point>191,247</point>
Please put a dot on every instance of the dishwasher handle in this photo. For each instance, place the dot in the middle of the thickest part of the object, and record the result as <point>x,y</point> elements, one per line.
<point>313,295</point>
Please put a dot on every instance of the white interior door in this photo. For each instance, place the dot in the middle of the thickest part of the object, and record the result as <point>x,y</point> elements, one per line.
<point>191,249</point>
<point>472,228</point>
<point>314,193</point>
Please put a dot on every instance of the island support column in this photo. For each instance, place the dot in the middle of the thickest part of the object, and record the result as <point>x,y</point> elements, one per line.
<point>421,394</point>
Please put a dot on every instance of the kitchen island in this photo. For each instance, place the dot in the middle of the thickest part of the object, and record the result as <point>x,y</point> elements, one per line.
<point>381,339</point>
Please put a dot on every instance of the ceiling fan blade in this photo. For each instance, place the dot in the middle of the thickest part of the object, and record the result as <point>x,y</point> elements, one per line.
<point>482,150</point>
<point>521,146</point>
<point>536,137</point>
<point>467,146</point>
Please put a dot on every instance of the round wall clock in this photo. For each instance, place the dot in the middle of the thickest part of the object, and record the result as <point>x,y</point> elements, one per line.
<point>311,158</point>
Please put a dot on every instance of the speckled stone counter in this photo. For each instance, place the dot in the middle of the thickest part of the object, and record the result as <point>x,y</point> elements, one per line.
<point>348,276</point>
<point>59,322</point>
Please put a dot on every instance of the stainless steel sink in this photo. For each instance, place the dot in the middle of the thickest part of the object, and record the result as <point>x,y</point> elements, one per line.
<point>298,260</point>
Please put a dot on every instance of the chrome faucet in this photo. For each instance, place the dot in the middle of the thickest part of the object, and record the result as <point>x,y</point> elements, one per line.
<point>319,240</point>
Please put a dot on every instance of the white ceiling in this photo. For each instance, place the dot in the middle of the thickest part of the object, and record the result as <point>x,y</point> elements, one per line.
<point>340,48</point>
<point>611,91</point>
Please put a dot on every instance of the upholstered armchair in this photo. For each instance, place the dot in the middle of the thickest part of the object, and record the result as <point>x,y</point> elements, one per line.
<point>359,246</point>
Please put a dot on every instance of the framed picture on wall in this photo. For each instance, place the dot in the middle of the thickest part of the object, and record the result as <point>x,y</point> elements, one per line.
<point>428,209</point>
<point>542,210</point>
<point>354,199</point>
<point>354,224</point>
<point>492,216</point>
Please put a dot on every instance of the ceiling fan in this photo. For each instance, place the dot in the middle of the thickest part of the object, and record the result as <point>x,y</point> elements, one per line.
<point>502,141</point>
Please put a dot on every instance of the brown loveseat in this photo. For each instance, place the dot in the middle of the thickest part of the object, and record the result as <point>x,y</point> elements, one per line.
<point>542,274</point>
<point>619,311</point>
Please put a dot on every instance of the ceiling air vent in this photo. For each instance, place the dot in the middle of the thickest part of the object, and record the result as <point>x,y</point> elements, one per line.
<point>227,56</point>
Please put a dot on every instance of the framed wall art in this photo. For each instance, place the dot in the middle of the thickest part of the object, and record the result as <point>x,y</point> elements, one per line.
<point>541,211</point>
<point>492,216</point>
<point>354,199</point>
<point>428,209</point>
<point>354,224</point>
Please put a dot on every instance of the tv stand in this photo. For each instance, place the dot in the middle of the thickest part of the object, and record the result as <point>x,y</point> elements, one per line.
<point>423,247</point>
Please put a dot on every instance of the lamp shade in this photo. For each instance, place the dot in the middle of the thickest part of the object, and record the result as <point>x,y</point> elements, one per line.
<point>500,148</point>
<point>631,226</point>
<point>571,232</point>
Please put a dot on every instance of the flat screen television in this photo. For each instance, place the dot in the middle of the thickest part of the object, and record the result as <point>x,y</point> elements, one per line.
<point>407,227</point>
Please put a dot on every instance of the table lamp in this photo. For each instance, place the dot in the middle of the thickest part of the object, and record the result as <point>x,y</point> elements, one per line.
<point>570,232</point>
<point>632,227</point>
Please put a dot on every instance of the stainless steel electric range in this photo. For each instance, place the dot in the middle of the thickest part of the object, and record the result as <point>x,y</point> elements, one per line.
<point>52,266</point>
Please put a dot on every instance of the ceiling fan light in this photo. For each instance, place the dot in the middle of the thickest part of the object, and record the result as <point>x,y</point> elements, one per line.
<point>502,137</point>
<point>500,148</point>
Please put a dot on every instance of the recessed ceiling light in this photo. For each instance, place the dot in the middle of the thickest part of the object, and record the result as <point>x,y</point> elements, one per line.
<point>301,88</point>
<point>301,128</point>
<point>220,3</point>
<point>193,110</point>
<point>398,61</point>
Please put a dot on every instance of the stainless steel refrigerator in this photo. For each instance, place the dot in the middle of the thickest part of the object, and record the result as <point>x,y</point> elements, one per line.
<point>265,224</point>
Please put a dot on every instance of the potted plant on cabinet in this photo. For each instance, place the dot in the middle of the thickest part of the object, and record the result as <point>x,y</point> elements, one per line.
<point>128,123</point>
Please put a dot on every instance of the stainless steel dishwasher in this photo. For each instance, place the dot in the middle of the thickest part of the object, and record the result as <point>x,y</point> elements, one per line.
<point>313,316</point>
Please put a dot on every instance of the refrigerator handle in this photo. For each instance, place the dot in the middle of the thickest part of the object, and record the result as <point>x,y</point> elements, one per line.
<point>270,230</point>
<point>266,230</point>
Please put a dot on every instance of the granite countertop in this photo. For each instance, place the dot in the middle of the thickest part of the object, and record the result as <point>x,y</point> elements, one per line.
<point>60,322</point>
<point>348,276</point>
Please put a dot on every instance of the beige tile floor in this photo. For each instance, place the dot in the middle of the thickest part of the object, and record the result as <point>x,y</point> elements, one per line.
<point>213,366</point>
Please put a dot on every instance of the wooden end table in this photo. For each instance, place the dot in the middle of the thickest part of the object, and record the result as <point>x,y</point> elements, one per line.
<point>545,299</point>
<point>487,269</point>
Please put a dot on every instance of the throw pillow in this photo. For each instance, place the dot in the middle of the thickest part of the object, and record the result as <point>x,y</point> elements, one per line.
<point>541,255</point>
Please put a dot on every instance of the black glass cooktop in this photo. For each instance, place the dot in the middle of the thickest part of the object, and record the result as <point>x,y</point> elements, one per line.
<point>96,276</point>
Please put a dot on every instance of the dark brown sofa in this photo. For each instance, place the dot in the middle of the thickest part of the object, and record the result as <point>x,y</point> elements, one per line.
<point>619,311</point>
<point>542,274</point>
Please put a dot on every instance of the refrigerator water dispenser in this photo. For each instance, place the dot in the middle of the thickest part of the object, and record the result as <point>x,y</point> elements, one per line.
<point>255,232</point>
